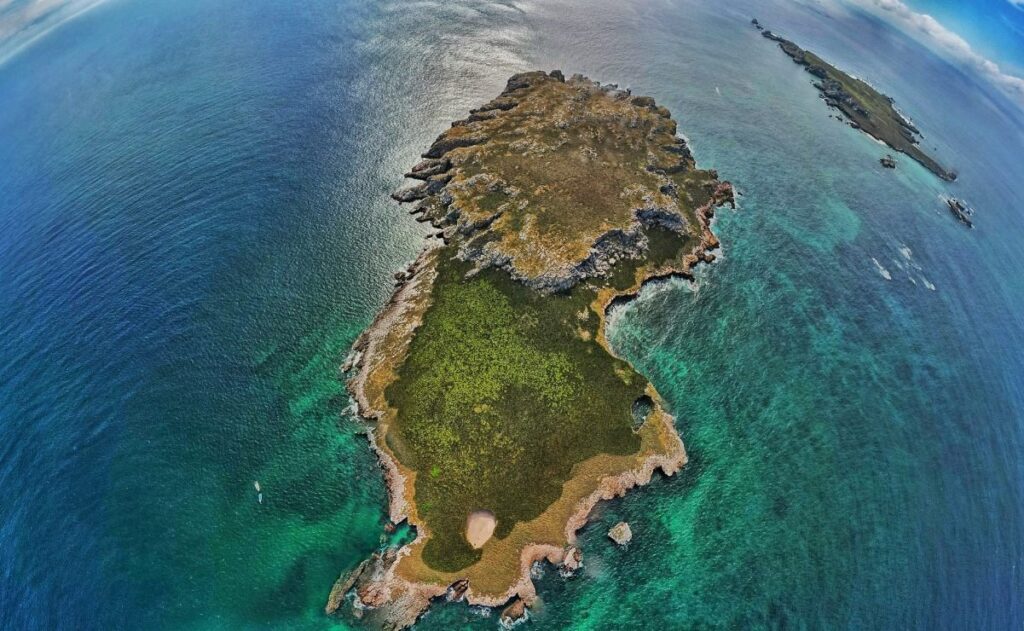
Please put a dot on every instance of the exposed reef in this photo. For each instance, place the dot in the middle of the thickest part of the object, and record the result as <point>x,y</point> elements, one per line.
<point>961,211</point>
<point>864,107</point>
<point>496,407</point>
<point>621,533</point>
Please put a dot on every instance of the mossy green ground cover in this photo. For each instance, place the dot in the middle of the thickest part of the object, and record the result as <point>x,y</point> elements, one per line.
<point>499,397</point>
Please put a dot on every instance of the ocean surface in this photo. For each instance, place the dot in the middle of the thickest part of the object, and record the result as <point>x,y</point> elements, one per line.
<point>194,227</point>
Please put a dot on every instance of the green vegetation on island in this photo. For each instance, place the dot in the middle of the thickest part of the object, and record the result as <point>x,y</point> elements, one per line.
<point>500,414</point>
<point>866,108</point>
<point>503,391</point>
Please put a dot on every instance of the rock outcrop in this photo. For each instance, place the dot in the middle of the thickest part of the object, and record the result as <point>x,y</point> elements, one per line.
<point>621,533</point>
<point>514,613</point>
<point>343,586</point>
<point>961,211</point>
<point>572,562</point>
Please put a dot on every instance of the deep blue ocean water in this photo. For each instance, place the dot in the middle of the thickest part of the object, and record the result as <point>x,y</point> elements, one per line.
<point>194,226</point>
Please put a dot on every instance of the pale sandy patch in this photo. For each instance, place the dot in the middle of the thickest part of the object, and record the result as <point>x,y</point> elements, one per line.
<point>479,527</point>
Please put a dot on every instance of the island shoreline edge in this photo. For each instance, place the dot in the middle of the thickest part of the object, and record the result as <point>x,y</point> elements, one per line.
<point>404,297</point>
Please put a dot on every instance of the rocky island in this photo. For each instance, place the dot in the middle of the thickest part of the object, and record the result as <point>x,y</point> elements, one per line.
<point>497,409</point>
<point>961,211</point>
<point>863,106</point>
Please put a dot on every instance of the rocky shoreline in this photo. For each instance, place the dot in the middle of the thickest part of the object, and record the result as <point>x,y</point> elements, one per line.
<point>400,316</point>
<point>703,252</point>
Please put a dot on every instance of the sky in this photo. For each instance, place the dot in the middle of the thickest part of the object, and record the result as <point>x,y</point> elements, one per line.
<point>984,37</point>
<point>995,28</point>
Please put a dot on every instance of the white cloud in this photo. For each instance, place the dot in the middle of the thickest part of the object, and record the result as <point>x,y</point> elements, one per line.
<point>25,21</point>
<point>930,31</point>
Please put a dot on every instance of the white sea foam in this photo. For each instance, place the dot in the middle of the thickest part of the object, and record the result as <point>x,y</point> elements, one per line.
<point>908,254</point>
<point>881,270</point>
<point>482,612</point>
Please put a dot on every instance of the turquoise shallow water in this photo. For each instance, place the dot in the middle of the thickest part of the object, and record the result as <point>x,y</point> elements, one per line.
<point>194,227</point>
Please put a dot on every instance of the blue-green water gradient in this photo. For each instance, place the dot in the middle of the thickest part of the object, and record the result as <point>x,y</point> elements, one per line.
<point>194,226</point>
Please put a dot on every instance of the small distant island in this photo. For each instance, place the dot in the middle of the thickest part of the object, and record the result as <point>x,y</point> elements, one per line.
<point>866,108</point>
<point>497,409</point>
